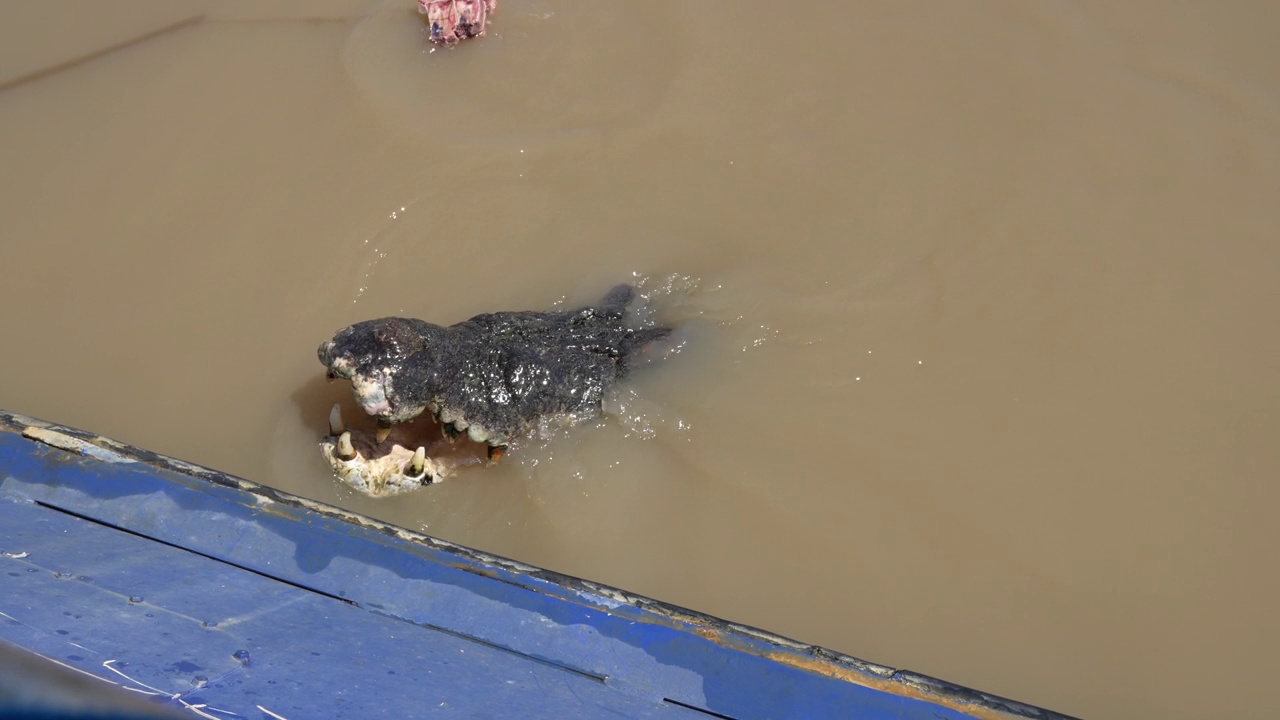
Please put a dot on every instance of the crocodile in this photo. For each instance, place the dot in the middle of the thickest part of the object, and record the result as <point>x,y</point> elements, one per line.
<point>489,382</point>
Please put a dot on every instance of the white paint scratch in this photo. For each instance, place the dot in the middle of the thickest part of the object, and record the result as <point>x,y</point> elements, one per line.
<point>16,556</point>
<point>82,672</point>
<point>25,625</point>
<point>154,691</point>
<point>197,708</point>
<point>277,717</point>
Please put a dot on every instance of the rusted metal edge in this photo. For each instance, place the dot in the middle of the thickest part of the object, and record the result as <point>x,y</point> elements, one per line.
<point>605,598</point>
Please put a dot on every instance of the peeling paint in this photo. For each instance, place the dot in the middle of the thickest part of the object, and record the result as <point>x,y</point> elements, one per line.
<point>890,685</point>
<point>599,600</point>
<point>66,442</point>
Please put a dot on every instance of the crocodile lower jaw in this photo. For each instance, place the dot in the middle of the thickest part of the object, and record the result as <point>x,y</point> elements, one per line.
<point>411,455</point>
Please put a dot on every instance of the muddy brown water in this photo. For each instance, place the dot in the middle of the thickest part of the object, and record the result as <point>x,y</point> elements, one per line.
<point>979,298</point>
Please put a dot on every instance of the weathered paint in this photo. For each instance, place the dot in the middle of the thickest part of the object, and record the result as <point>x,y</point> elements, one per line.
<point>641,652</point>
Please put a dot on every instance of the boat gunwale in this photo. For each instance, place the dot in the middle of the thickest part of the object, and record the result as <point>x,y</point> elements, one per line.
<point>559,586</point>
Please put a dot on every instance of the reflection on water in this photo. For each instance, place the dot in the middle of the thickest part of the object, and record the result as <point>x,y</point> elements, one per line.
<point>977,373</point>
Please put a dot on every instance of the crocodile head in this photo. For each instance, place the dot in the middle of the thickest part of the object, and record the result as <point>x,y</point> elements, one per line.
<point>385,360</point>
<point>444,397</point>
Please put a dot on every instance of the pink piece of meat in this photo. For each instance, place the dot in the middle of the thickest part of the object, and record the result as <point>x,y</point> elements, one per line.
<point>454,20</point>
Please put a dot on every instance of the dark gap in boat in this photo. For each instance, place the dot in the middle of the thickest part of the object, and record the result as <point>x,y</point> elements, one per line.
<point>543,661</point>
<point>704,711</point>
<point>215,558</point>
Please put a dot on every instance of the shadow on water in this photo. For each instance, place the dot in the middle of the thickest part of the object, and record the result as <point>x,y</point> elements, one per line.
<point>314,398</point>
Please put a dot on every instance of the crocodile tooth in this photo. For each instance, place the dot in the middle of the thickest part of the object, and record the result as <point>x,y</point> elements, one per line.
<point>447,415</point>
<point>344,450</point>
<point>335,421</point>
<point>384,429</point>
<point>478,433</point>
<point>461,423</point>
<point>418,465</point>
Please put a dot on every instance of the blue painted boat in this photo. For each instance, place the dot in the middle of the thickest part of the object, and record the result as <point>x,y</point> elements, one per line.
<point>221,598</point>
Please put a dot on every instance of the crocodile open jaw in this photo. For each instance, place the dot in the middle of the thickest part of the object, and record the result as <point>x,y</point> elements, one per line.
<point>407,457</point>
